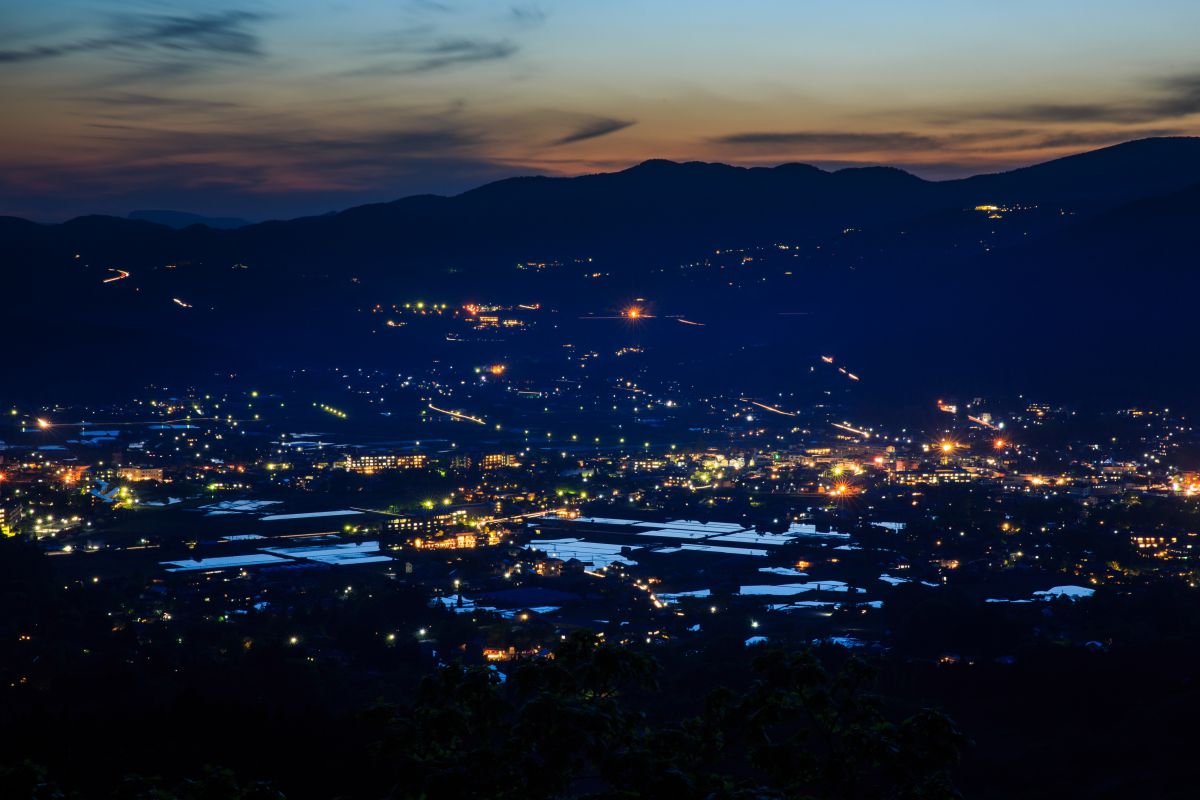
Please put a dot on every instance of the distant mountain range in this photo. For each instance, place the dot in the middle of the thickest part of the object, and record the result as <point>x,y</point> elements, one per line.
<point>182,219</point>
<point>1087,263</point>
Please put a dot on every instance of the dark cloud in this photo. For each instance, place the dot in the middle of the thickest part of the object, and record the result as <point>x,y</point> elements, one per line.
<point>453,52</point>
<point>594,130</point>
<point>1102,137</point>
<point>989,144</point>
<point>223,33</point>
<point>830,141</point>
<point>45,51</point>
<point>1128,113</point>
<point>154,103</point>
<point>529,14</point>
<point>1161,99</point>
<point>414,38</point>
<point>429,5</point>
<point>1182,95</point>
<point>280,168</point>
<point>248,162</point>
<point>416,56</point>
<point>54,192</point>
<point>1056,112</point>
<point>293,147</point>
<point>430,44</point>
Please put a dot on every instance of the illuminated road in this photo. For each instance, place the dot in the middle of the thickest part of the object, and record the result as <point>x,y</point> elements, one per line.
<point>120,276</point>
<point>772,409</point>
<point>842,370</point>
<point>46,424</point>
<point>457,415</point>
<point>516,517</point>
<point>864,434</point>
<point>689,322</point>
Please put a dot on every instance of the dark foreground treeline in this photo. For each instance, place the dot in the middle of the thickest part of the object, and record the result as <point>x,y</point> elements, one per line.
<point>96,702</point>
<point>571,725</point>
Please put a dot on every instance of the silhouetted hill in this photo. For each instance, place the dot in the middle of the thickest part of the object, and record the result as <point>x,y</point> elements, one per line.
<point>182,219</point>
<point>1150,224</point>
<point>1088,265</point>
<point>1109,176</point>
<point>657,207</point>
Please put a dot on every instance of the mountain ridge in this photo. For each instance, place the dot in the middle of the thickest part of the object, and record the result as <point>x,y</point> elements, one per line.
<point>864,252</point>
<point>1132,155</point>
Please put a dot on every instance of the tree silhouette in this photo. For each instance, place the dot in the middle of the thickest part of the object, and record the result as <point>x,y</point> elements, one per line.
<point>573,725</point>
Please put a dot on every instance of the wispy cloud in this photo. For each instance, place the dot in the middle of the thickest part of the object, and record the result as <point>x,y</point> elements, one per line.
<point>412,56</point>
<point>289,145</point>
<point>134,101</point>
<point>949,154</point>
<point>1057,112</point>
<point>529,14</point>
<point>593,130</point>
<point>281,165</point>
<point>1095,138</point>
<point>828,141</point>
<point>440,36</point>
<point>1157,99</point>
<point>225,33</point>
<point>428,5</point>
<point>1182,95</point>
<point>452,52</point>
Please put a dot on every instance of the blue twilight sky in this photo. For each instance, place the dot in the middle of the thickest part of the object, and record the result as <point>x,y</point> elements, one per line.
<point>265,108</point>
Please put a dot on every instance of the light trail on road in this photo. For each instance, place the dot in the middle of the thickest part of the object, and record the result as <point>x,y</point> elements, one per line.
<point>864,434</point>
<point>457,415</point>
<point>772,409</point>
<point>46,424</point>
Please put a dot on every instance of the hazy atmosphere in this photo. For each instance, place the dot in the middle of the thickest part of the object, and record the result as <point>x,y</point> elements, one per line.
<point>275,109</point>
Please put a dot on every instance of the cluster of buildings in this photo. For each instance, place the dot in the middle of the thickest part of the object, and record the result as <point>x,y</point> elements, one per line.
<point>552,501</point>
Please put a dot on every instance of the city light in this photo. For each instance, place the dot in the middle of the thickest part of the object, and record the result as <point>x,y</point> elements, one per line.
<point>936,204</point>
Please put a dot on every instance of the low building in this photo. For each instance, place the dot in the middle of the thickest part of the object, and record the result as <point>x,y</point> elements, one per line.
<point>137,474</point>
<point>370,464</point>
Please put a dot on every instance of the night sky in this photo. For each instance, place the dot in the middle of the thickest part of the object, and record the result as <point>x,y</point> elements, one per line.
<point>273,109</point>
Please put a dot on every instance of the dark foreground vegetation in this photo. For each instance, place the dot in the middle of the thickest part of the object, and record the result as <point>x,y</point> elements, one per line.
<point>99,705</point>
